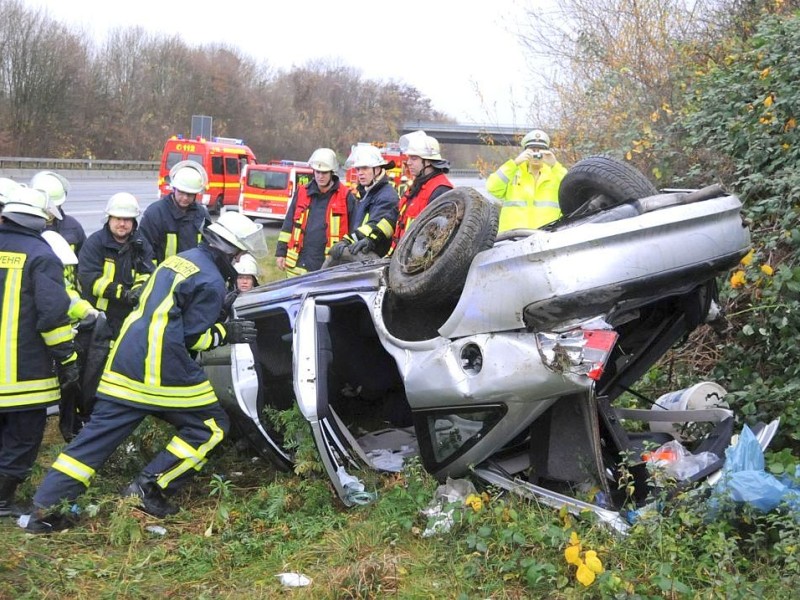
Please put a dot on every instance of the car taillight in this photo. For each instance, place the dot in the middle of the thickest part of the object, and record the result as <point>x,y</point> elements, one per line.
<point>580,351</point>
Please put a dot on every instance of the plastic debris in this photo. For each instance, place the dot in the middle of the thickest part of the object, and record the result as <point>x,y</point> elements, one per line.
<point>293,579</point>
<point>156,529</point>
<point>354,489</point>
<point>453,493</point>
<point>677,462</point>
<point>744,480</point>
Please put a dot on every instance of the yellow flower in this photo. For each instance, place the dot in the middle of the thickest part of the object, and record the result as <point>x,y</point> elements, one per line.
<point>768,101</point>
<point>585,575</point>
<point>574,540</point>
<point>767,270</point>
<point>474,501</point>
<point>738,279</point>
<point>765,73</point>
<point>592,562</point>
<point>748,258</point>
<point>573,555</point>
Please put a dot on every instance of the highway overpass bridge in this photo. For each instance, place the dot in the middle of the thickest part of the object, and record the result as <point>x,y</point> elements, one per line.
<point>478,134</point>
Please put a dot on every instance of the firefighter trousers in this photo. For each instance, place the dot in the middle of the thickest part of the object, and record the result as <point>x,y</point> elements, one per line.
<point>199,430</point>
<point>21,433</point>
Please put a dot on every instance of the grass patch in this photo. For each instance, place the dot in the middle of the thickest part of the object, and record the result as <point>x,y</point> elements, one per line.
<point>242,523</point>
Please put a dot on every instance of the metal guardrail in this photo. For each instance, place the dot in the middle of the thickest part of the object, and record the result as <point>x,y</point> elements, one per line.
<point>92,165</point>
<point>82,164</point>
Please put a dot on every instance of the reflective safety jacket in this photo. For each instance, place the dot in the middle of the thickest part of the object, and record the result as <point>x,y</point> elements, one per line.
<point>34,328</point>
<point>376,214</point>
<point>412,205</point>
<point>152,361</point>
<point>314,222</point>
<point>108,268</point>
<point>171,230</point>
<point>528,203</point>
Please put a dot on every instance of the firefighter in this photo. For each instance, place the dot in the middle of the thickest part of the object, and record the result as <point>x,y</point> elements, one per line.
<point>36,335</point>
<point>151,371</point>
<point>318,217</point>
<point>246,273</point>
<point>376,209</point>
<point>57,188</point>
<point>403,187</point>
<point>173,223</point>
<point>116,261</point>
<point>528,185</point>
<point>429,169</point>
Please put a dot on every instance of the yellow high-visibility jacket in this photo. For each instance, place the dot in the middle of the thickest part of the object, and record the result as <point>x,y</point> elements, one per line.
<point>528,203</point>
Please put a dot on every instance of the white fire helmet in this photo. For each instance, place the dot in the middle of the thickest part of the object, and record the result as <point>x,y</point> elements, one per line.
<point>324,159</point>
<point>123,205</point>
<point>188,177</point>
<point>7,187</point>
<point>241,232</point>
<point>246,265</point>
<point>54,185</point>
<point>366,155</point>
<point>419,143</point>
<point>27,201</point>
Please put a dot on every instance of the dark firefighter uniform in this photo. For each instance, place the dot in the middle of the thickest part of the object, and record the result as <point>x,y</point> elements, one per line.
<point>376,215</point>
<point>424,189</point>
<point>34,330</point>
<point>169,229</point>
<point>313,223</point>
<point>108,270</point>
<point>151,370</point>
<point>71,230</point>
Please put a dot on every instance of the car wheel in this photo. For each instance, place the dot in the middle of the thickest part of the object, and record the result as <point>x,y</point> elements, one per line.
<point>431,261</point>
<point>599,182</point>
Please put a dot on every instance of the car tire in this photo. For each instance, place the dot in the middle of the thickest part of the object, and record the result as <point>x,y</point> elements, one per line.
<point>431,261</point>
<point>599,182</point>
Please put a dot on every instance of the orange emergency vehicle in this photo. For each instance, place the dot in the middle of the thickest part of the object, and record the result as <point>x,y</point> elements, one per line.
<point>267,189</point>
<point>390,151</point>
<point>223,159</point>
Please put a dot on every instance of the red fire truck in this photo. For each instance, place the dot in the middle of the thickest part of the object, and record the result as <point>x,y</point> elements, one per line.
<point>223,159</point>
<point>267,189</point>
<point>390,151</point>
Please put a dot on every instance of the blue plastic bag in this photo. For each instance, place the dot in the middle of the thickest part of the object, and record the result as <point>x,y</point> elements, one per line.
<point>745,481</point>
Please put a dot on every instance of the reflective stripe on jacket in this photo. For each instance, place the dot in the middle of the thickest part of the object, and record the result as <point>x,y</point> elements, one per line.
<point>301,216</point>
<point>34,328</point>
<point>151,362</point>
<point>107,268</point>
<point>528,203</point>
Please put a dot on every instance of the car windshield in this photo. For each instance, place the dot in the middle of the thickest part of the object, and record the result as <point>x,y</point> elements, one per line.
<point>268,180</point>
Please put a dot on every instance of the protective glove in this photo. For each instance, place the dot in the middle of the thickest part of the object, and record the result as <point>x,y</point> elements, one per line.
<point>338,249</point>
<point>364,245</point>
<point>524,156</point>
<point>131,296</point>
<point>88,321</point>
<point>69,374</point>
<point>240,331</point>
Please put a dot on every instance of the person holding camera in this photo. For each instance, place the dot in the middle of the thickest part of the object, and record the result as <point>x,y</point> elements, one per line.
<point>528,185</point>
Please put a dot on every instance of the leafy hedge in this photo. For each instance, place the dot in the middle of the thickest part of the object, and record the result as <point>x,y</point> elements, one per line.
<point>740,122</point>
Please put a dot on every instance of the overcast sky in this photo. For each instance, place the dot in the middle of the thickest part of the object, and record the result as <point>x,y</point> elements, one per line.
<point>460,54</point>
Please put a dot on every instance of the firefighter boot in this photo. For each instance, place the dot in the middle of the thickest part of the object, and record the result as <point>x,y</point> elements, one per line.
<point>151,495</point>
<point>8,485</point>
<point>43,522</point>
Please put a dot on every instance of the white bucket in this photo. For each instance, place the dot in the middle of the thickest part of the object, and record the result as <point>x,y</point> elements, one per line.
<point>705,394</point>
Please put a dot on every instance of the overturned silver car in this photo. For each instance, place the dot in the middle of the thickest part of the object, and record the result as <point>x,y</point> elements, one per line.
<point>500,355</point>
